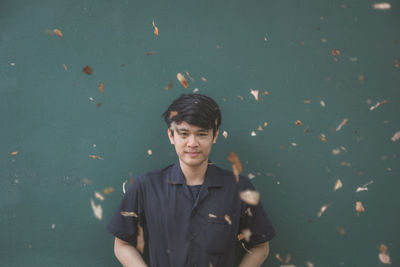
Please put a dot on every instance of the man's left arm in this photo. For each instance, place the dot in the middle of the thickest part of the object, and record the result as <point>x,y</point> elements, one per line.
<point>256,255</point>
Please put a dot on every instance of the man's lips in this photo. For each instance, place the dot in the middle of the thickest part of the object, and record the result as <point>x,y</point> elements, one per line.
<point>192,153</point>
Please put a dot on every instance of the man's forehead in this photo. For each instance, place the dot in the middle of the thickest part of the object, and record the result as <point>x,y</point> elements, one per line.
<point>184,126</point>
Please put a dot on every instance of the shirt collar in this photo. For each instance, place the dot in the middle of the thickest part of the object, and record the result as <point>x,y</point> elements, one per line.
<point>212,178</point>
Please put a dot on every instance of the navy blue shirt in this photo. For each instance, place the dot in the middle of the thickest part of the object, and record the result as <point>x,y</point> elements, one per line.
<point>183,231</point>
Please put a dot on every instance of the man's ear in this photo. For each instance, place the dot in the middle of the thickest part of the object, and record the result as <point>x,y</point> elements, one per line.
<point>215,136</point>
<point>171,137</point>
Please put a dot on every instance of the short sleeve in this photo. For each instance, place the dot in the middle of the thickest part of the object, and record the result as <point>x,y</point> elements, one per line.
<point>255,219</point>
<point>130,213</point>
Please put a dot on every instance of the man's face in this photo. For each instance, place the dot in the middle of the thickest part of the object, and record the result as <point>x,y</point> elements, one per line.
<point>192,143</point>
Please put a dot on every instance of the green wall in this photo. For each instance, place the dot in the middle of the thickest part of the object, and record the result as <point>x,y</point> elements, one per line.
<point>283,47</point>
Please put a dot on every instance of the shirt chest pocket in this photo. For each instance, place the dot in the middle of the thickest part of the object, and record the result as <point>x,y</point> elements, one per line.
<point>218,236</point>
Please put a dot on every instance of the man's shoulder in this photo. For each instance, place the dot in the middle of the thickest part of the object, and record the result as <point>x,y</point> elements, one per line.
<point>154,174</point>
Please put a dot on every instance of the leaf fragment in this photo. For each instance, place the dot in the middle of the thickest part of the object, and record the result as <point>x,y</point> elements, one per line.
<point>254,93</point>
<point>359,207</point>
<point>155,28</point>
<point>58,33</point>
<point>97,210</point>
<point>129,214</point>
<point>87,69</point>
<point>101,87</point>
<point>250,197</point>
<point>181,78</point>
<point>338,185</point>
<point>108,190</point>
<point>343,123</point>
<point>228,218</point>
<point>236,165</point>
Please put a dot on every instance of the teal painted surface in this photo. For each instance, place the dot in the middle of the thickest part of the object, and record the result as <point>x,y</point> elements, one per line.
<point>277,46</point>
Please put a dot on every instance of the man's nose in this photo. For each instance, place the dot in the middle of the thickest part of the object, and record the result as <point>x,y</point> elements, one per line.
<point>192,140</point>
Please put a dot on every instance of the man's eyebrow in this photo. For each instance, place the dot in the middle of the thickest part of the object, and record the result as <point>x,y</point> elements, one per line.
<point>186,130</point>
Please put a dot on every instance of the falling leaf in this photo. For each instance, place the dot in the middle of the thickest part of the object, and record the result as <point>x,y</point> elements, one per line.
<point>294,144</point>
<point>309,264</point>
<point>299,123</point>
<point>345,163</point>
<point>53,226</point>
<point>99,196</point>
<point>203,79</point>
<point>225,134</point>
<point>99,104</point>
<point>123,186</point>
<point>172,114</point>
<point>108,190</point>
<point>228,218</point>
<point>359,207</point>
<point>58,33</point>
<point>338,185</point>
<point>169,86</point>
<point>87,69</point>
<point>322,103</point>
<point>364,187</point>
<point>254,93</point>
<point>246,234</point>
<point>149,53</point>
<point>341,230</point>
<point>378,104</point>
<point>248,211</point>
<point>251,176</point>
<point>253,133</point>
<point>382,6</point>
<point>250,197</point>
<point>212,215</point>
<point>129,214</point>
<point>182,80</point>
<point>236,165</point>
<point>190,77</point>
<point>322,138</point>
<point>396,64</point>
<point>95,157</point>
<point>343,123</point>
<point>14,153</point>
<point>97,210</point>
<point>396,136</point>
<point>361,78</point>
<point>307,101</point>
<point>335,151</point>
<point>149,152</point>
<point>259,128</point>
<point>335,52</point>
<point>87,181</point>
<point>65,67</point>
<point>278,257</point>
<point>323,209</point>
<point>140,239</point>
<point>155,28</point>
<point>384,256</point>
<point>265,124</point>
<point>101,87</point>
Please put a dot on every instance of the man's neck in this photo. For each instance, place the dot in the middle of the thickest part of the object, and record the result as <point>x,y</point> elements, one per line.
<point>194,175</point>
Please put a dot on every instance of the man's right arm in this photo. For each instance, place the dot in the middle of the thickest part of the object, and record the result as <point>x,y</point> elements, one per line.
<point>127,255</point>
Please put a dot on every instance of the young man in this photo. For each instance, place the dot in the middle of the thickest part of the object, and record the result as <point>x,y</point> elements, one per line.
<point>190,213</point>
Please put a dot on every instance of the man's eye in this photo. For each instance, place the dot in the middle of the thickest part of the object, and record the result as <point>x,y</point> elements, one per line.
<point>183,134</point>
<point>203,134</point>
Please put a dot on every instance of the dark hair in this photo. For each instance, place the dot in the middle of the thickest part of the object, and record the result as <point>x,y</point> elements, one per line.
<point>195,109</point>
